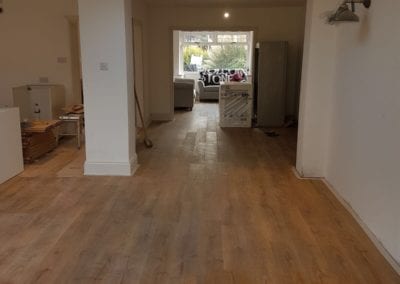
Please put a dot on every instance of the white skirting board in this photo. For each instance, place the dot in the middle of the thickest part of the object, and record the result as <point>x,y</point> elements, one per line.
<point>162,116</point>
<point>111,169</point>
<point>11,161</point>
<point>370,234</point>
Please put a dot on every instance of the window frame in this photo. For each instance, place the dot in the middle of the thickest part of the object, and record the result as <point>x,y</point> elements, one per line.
<point>214,36</point>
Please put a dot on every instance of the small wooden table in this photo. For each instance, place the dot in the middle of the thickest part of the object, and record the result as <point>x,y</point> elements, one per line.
<point>77,120</point>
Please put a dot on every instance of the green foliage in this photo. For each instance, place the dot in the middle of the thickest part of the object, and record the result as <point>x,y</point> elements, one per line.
<point>188,51</point>
<point>223,57</point>
<point>227,57</point>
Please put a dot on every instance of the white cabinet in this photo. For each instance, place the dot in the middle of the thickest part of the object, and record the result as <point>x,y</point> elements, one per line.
<point>11,160</point>
<point>39,102</point>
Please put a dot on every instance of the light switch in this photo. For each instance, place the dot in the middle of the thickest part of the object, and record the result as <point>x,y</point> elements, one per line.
<point>103,66</point>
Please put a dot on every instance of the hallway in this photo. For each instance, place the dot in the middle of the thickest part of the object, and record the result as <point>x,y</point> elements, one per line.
<point>207,205</point>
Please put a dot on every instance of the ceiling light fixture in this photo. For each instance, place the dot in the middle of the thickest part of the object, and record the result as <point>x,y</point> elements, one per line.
<point>226,15</point>
<point>345,14</point>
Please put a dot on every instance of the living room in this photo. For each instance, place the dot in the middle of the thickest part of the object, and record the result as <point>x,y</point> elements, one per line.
<point>205,59</point>
<point>265,22</point>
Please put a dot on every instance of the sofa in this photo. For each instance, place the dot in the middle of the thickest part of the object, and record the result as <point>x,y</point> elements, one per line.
<point>204,92</point>
<point>207,87</point>
<point>184,95</point>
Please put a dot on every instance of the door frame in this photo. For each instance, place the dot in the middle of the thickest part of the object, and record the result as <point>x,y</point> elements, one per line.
<point>139,24</point>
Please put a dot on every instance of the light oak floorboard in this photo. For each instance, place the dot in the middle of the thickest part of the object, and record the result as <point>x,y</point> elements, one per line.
<point>207,205</point>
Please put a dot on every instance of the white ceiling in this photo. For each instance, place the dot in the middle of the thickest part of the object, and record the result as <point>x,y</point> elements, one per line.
<point>230,2</point>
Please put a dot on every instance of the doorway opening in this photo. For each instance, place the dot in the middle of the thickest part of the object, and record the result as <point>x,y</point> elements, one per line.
<point>204,60</point>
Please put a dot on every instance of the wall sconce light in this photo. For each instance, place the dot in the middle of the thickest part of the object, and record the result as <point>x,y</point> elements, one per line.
<point>345,14</point>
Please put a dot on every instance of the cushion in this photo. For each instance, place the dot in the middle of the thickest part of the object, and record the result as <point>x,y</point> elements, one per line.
<point>237,77</point>
<point>215,79</point>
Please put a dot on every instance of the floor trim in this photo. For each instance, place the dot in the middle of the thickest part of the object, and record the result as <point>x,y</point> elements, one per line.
<point>111,169</point>
<point>378,244</point>
<point>298,175</point>
<point>162,116</point>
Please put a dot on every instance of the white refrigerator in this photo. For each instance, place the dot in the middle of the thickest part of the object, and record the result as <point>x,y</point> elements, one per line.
<point>271,69</point>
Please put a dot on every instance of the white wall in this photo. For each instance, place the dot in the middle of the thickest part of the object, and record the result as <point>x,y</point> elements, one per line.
<point>271,23</point>
<point>107,61</point>
<point>33,35</point>
<point>363,154</point>
<point>316,89</point>
<point>350,118</point>
<point>178,70</point>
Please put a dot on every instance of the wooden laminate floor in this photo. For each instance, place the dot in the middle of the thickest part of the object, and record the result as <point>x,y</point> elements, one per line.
<point>207,205</point>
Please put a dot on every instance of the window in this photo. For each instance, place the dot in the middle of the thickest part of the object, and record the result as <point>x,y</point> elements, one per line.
<point>215,50</point>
